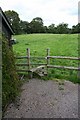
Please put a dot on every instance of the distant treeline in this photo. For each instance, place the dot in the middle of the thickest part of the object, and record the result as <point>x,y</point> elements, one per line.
<point>37,25</point>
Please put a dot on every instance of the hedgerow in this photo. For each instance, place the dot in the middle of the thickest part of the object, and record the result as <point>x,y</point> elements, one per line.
<point>10,81</point>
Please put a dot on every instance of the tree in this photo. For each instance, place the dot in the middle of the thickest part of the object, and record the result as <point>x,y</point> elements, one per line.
<point>24,26</point>
<point>62,28</point>
<point>37,25</point>
<point>51,28</point>
<point>14,19</point>
<point>76,28</point>
<point>45,29</point>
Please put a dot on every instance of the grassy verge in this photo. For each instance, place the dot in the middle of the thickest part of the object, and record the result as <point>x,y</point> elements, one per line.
<point>59,44</point>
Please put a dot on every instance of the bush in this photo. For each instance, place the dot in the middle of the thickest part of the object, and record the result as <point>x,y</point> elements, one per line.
<point>10,81</point>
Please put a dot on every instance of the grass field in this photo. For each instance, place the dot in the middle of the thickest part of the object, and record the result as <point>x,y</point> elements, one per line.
<point>59,44</point>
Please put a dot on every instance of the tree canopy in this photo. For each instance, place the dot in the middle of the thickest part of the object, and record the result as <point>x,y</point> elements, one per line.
<point>37,25</point>
<point>14,19</point>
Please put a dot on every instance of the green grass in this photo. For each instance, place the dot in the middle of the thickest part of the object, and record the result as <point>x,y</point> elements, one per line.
<point>59,44</point>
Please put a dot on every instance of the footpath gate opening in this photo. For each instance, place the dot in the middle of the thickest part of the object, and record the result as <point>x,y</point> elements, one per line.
<point>42,68</point>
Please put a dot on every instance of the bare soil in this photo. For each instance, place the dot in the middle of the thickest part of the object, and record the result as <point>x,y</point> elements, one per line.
<point>45,99</point>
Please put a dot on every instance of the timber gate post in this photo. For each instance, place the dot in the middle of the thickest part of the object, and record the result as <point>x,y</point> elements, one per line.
<point>48,54</point>
<point>28,61</point>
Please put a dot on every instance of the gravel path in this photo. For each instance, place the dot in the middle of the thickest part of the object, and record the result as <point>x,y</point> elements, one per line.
<point>45,99</point>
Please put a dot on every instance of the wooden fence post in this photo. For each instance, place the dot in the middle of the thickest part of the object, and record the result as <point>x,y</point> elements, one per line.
<point>28,59</point>
<point>48,53</point>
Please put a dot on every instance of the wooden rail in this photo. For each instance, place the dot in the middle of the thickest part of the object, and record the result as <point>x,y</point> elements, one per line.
<point>47,64</point>
<point>63,67</point>
<point>63,57</point>
<point>22,70</point>
<point>32,57</point>
<point>26,64</point>
<point>21,57</point>
<point>37,68</point>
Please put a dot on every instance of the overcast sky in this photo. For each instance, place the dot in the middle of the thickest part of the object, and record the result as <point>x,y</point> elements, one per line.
<point>51,11</point>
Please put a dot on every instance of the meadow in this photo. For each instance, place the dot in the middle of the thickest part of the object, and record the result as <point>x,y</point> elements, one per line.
<point>59,45</point>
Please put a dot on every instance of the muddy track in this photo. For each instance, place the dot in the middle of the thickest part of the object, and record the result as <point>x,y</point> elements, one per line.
<point>45,99</point>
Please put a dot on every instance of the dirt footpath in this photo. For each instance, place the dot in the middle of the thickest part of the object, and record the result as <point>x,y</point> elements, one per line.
<point>45,99</point>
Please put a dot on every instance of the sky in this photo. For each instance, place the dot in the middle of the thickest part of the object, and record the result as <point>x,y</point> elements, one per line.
<point>51,11</point>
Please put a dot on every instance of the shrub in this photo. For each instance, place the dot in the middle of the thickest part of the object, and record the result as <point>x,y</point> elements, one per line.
<point>10,81</point>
